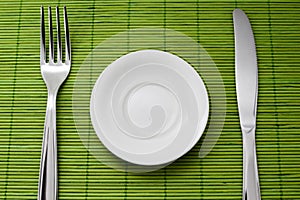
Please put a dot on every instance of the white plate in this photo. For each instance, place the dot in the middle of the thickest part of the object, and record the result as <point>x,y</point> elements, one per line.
<point>149,107</point>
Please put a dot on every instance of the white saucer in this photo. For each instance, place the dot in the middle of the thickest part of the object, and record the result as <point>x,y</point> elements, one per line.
<point>149,107</point>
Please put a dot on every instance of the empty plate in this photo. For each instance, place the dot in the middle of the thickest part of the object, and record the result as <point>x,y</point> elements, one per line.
<point>149,107</point>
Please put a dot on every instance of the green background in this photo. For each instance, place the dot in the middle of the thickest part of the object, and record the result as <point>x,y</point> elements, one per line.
<point>23,95</point>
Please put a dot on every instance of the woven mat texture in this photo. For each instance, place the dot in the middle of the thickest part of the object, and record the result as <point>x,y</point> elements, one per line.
<point>23,96</point>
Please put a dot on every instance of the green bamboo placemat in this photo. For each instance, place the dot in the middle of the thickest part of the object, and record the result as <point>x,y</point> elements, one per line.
<point>276,26</point>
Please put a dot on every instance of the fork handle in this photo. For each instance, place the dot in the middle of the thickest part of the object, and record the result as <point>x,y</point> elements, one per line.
<point>48,166</point>
<point>251,189</point>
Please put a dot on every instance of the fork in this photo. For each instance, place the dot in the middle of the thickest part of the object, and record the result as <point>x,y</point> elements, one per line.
<point>54,73</point>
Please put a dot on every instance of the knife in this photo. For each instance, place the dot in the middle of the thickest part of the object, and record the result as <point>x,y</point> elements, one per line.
<point>246,78</point>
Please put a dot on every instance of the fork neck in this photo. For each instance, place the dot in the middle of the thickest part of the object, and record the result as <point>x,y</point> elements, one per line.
<point>51,102</point>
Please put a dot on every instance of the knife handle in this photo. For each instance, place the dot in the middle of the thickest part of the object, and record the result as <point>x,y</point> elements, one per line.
<point>251,189</point>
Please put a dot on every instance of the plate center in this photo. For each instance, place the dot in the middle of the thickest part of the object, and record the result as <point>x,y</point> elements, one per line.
<point>149,109</point>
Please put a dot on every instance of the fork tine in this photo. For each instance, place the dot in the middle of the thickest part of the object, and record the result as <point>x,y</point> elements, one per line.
<point>59,52</point>
<point>42,39</point>
<point>51,45</point>
<point>67,37</point>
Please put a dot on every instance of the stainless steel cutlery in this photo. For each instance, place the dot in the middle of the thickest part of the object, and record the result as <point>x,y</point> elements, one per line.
<point>246,88</point>
<point>54,72</point>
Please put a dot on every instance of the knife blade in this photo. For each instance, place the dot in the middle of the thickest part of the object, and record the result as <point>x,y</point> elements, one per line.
<point>246,77</point>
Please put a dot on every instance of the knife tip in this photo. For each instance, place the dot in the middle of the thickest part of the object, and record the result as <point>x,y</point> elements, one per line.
<point>237,11</point>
